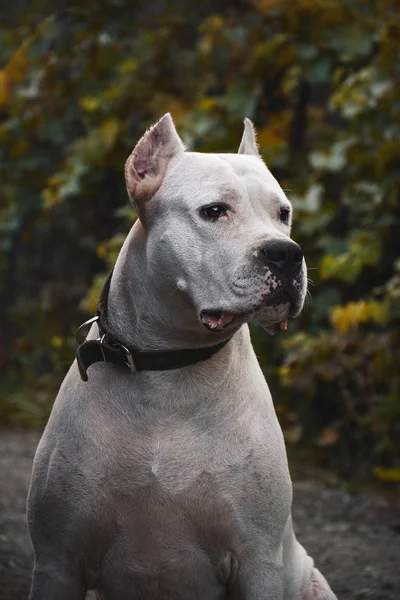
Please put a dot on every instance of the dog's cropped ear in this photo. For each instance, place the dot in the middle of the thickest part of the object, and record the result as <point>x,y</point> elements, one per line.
<point>146,166</point>
<point>248,145</point>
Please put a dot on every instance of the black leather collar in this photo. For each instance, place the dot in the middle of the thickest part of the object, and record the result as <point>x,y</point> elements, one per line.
<point>108,348</point>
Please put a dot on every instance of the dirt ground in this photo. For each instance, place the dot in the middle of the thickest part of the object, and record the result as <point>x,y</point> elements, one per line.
<point>354,539</point>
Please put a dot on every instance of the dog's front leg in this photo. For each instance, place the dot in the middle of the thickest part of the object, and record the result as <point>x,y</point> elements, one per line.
<point>54,582</point>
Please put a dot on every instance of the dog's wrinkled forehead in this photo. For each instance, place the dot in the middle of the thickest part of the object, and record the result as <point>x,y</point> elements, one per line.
<point>195,178</point>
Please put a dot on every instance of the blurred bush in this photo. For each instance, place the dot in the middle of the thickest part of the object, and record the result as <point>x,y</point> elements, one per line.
<point>321,80</point>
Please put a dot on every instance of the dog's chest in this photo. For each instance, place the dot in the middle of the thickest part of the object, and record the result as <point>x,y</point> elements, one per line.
<point>237,468</point>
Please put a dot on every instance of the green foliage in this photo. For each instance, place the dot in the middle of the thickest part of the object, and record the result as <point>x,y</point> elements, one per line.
<point>321,80</point>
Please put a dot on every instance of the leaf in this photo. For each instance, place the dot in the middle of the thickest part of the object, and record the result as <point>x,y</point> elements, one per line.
<point>343,318</point>
<point>108,131</point>
<point>328,437</point>
<point>18,65</point>
<point>206,104</point>
<point>50,197</point>
<point>128,66</point>
<point>390,475</point>
<point>5,87</point>
<point>89,103</point>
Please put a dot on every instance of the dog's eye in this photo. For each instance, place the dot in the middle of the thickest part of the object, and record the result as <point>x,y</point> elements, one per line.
<point>214,212</point>
<point>284,214</point>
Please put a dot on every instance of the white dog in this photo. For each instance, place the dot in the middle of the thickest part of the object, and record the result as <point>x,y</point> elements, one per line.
<point>164,476</point>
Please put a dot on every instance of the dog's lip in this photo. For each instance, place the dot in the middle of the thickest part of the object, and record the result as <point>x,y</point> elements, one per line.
<point>216,320</point>
<point>279,295</point>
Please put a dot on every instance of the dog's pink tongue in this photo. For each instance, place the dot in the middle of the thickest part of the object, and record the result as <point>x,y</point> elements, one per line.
<point>217,320</point>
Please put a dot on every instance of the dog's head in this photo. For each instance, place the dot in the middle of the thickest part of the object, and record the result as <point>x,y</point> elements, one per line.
<point>217,231</point>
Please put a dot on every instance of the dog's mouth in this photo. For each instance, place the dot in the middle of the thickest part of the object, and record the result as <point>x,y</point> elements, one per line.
<point>270,314</point>
<point>216,320</point>
<point>220,320</point>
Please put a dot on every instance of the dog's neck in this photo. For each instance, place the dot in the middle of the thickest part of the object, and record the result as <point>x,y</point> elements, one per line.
<point>138,312</point>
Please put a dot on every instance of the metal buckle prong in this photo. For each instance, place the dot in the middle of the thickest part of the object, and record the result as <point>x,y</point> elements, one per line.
<point>86,324</point>
<point>101,340</point>
<point>129,360</point>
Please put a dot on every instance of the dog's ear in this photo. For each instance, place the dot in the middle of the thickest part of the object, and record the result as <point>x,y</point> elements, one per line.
<point>146,166</point>
<point>248,145</point>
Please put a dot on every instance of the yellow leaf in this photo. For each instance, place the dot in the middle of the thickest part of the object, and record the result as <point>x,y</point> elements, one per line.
<point>56,179</point>
<point>128,66</point>
<point>50,197</point>
<point>291,81</point>
<point>343,318</point>
<point>216,22</point>
<point>206,104</point>
<point>89,103</point>
<point>177,109</point>
<point>112,93</point>
<point>283,371</point>
<point>89,303</point>
<point>275,134</point>
<point>108,131</point>
<point>379,312</point>
<point>17,65</point>
<point>56,341</point>
<point>102,250</point>
<point>5,87</point>
<point>391,475</point>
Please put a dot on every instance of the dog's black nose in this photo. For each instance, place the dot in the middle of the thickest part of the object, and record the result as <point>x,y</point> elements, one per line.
<point>283,254</point>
